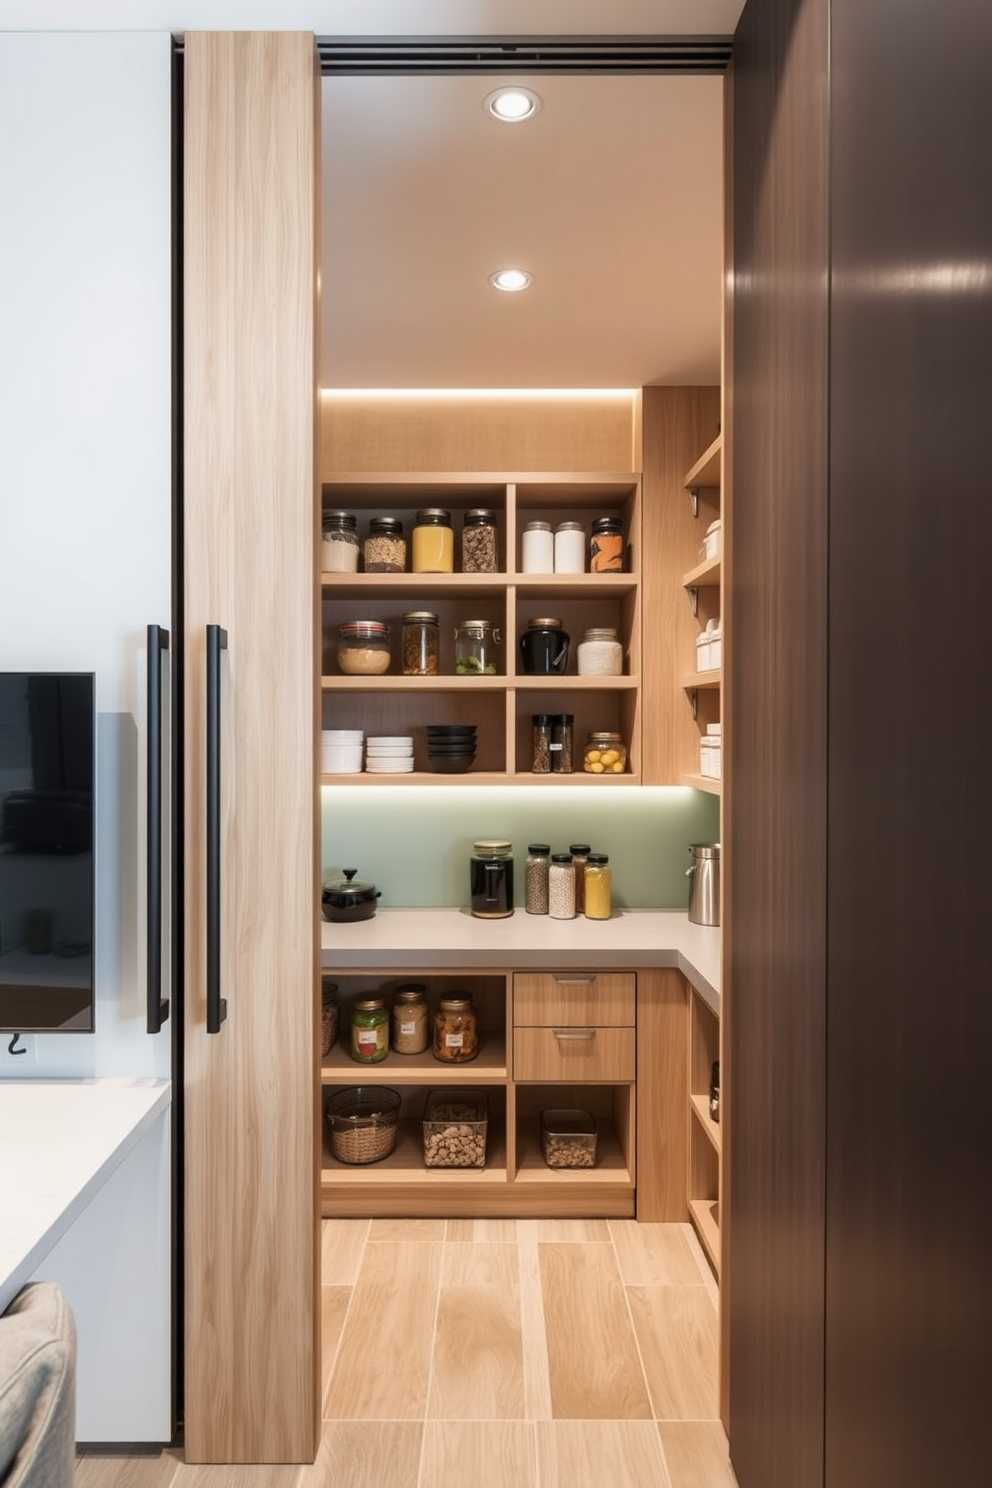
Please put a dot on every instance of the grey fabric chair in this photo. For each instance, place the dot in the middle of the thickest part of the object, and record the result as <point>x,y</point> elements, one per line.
<point>38,1390</point>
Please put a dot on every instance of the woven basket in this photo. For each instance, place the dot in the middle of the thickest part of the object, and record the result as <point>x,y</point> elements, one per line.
<point>362,1123</point>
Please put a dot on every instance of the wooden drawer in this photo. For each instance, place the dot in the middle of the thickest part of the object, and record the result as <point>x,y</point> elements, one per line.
<point>594,999</point>
<point>574,1054</point>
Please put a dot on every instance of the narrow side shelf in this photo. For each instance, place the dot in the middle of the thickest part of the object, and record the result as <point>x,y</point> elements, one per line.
<point>701,1111</point>
<point>706,1218</point>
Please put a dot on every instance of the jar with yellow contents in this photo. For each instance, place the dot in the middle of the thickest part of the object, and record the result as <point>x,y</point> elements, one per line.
<point>604,754</point>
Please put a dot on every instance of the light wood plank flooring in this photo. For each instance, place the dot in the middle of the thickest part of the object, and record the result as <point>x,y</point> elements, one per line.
<point>501,1353</point>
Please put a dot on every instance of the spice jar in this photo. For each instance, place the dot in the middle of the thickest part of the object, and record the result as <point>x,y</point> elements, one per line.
<point>544,647</point>
<point>536,878</point>
<point>570,548</point>
<point>329,1011</point>
<point>369,1030</point>
<point>385,546</point>
<point>339,548</point>
<point>363,648</point>
<point>606,545</point>
<point>541,755</point>
<point>561,887</point>
<point>561,743</point>
<point>597,887</point>
<point>411,1023</point>
<point>491,879</point>
<point>604,754</point>
<point>538,548</point>
<point>479,541</point>
<point>456,1029</point>
<point>420,644</point>
<point>475,653</point>
<point>433,541</point>
<point>599,653</point>
<point>580,853</point>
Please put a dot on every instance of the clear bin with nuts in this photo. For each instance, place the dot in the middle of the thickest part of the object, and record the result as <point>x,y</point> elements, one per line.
<point>455,1125</point>
<point>569,1138</point>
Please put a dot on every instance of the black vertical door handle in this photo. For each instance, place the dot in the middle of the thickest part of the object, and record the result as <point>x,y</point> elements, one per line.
<point>216,1005</point>
<point>157,1006</point>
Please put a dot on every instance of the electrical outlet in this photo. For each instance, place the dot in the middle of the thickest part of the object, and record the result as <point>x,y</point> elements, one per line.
<point>22,1049</point>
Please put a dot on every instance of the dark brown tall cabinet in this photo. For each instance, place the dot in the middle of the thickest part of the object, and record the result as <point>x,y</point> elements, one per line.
<point>859,1127</point>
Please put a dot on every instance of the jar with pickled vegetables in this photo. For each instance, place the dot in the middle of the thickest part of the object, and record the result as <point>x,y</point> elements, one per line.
<point>456,1029</point>
<point>604,754</point>
<point>369,1030</point>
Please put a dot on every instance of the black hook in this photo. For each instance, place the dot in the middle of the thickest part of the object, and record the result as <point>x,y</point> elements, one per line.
<point>11,1049</point>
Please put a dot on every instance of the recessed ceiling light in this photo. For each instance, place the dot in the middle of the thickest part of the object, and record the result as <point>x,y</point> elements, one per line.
<point>511,279</point>
<point>513,105</point>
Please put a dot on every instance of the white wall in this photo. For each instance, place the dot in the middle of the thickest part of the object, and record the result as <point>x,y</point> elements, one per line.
<point>85,449</point>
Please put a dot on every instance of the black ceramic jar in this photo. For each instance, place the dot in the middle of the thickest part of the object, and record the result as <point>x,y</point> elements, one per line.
<point>544,647</point>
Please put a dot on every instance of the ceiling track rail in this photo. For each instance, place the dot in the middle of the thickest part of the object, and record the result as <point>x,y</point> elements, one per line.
<point>383,56</point>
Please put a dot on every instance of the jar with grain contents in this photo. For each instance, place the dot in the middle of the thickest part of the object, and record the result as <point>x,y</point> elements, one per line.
<point>536,878</point>
<point>411,1023</point>
<point>580,854</point>
<point>541,747</point>
<point>479,541</point>
<point>328,1015</point>
<point>369,1030</point>
<point>561,743</point>
<point>597,887</point>
<point>606,545</point>
<point>339,549</point>
<point>420,644</point>
<point>599,653</point>
<point>561,887</point>
<point>456,1029</point>
<point>385,546</point>
<point>363,648</point>
<point>433,541</point>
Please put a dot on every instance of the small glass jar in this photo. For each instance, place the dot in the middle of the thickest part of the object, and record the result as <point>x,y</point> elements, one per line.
<point>580,854</point>
<point>385,546</point>
<point>541,748</point>
<point>538,548</point>
<point>536,878</point>
<point>599,653</point>
<point>597,887</point>
<point>561,743</point>
<point>421,635</point>
<point>475,648</point>
<point>433,541</point>
<point>606,545</point>
<point>479,541</point>
<point>339,548</point>
<point>491,879</point>
<point>411,1021</point>
<point>329,1015</point>
<point>363,648</point>
<point>369,1030</point>
<point>456,1029</point>
<point>604,754</point>
<point>561,887</point>
<point>570,548</point>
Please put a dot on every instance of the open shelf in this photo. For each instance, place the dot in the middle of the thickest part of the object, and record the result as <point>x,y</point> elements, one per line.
<point>703,783</point>
<point>705,1217</point>
<point>701,1110</point>
<point>488,1067</point>
<point>611,1165</point>
<point>706,471</point>
<point>705,575</point>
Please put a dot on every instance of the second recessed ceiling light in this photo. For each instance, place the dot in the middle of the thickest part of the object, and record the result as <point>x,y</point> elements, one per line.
<point>511,279</point>
<point>513,105</point>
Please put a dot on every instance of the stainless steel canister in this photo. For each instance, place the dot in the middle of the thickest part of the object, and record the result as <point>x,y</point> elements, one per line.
<point>704,883</point>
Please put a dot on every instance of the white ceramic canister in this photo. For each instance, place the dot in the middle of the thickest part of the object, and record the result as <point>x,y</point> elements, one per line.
<point>600,653</point>
<point>570,548</point>
<point>538,548</point>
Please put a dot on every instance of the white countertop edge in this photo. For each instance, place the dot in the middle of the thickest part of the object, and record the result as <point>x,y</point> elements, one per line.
<point>157,1097</point>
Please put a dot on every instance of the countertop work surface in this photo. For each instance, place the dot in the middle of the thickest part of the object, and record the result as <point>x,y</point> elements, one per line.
<point>60,1140</point>
<point>417,939</point>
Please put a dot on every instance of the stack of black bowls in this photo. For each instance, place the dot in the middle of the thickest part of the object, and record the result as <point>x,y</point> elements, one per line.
<point>451,747</point>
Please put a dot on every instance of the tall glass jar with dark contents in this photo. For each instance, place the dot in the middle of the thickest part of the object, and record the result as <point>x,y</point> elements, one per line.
<point>536,878</point>
<point>479,541</point>
<point>491,879</point>
<point>421,635</point>
<point>561,743</point>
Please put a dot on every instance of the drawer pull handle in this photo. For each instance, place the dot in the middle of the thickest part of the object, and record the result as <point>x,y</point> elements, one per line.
<point>575,1033</point>
<point>585,981</point>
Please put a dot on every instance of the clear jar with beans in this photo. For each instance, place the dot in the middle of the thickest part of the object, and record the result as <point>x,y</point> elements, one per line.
<point>561,887</point>
<point>421,641</point>
<point>385,546</point>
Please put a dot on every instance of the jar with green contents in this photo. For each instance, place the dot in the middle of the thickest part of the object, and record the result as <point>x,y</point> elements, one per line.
<point>475,648</point>
<point>369,1030</point>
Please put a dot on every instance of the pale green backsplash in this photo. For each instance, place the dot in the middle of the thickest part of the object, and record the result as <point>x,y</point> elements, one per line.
<point>415,845</point>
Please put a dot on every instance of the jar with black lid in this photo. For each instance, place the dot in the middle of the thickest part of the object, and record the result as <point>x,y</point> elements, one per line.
<point>580,854</point>
<point>561,743</point>
<point>433,541</point>
<point>561,887</point>
<point>339,548</point>
<point>541,748</point>
<point>479,541</point>
<point>536,878</point>
<point>606,545</point>
<point>385,546</point>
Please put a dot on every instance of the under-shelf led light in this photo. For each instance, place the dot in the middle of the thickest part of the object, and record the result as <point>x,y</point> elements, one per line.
<point>513,105</point>
<point>511,280</point>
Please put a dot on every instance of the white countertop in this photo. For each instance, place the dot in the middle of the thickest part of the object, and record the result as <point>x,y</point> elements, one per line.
<point>59,1142</point>
<point>414,939</point>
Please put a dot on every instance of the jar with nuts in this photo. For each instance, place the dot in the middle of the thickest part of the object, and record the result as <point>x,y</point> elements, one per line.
<point>455,1123</point>
<point>385,546</point>
<point>456,1029</point>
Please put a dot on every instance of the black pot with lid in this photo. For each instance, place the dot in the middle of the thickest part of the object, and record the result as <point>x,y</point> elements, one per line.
<point>348,898</point>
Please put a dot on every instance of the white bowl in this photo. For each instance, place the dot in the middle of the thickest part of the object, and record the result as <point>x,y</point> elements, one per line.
<point>399,743</point>
<point>341,759</point>
<point>392,750</point>
<point>342,736</point>
<point>385,764</point>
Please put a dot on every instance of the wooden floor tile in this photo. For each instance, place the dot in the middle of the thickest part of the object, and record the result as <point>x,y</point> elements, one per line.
<point>654,1254</point>
<point>383,1362</point>
<point>600,1454</point>
<point>404,1230</point>
<point>593,1361</point>
<point>240,1476</point>
<point>537,1380</point>
<point>342,1244</point>
<point>334,1302</point>
<point>478,1366</point>
<point>572,1231</point>
<point>481,1264</point>
<point>501,1231</point>
<point>354,1455</point>
<point>677,1330</point>
<point>483,1454</point>
<point>696,1454</point>
<point>95,1469</point>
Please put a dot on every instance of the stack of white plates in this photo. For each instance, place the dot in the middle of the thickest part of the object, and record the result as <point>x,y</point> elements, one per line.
<point>389,754</point>
<point>341,751</point>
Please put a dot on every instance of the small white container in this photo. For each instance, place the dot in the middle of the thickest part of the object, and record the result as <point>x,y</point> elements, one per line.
<point>599,653</point>
<point>570,548</point>
<point>711,540</point>
<point>538,548</point>
<point>703,663</point>
<point>710,753</point>
<point>341,759</point>
<point>709,647</point>
<point>716,648</point>
<point>342,736</point>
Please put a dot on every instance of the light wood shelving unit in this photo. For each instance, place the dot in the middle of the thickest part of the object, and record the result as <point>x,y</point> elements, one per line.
<point>705,1138</point>
<point>703,587</point>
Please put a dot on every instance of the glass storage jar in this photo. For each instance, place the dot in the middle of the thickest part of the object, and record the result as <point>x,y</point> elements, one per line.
<point>421,635</point>
<point>597,887</point>
<point>339,548</point>
<point>385,546</point>
<point>329,1013</point>
<point>491,879</point>
<point>536,878</point>
<point>561,887</point>
<point>599,653</point>
<point>475,648</point>
<point>605,753</point>
<point>363,648</point>
<point>606,545</point>
<point>541,746</point>
<point>561,743</point>
<point>479,541</point>
<point>369,1030</point>
<point>570,548</point>
<point>538,548</point>
<point>433,541</point>
<point>456,1029</point>
<point>580,854</point>
<point>411,1023</point>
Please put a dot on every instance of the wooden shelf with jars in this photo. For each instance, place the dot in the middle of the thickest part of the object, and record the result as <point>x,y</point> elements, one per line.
<point>703,585</point>
<point>500,704</point>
